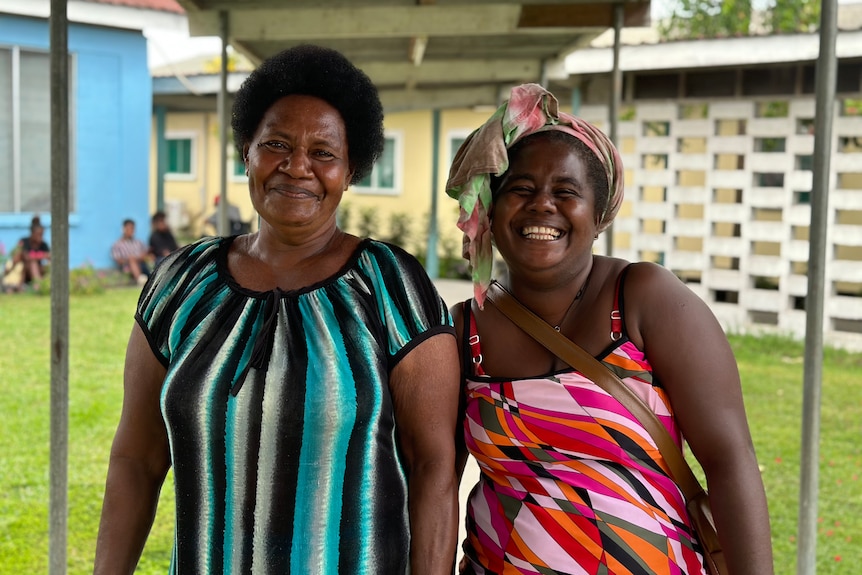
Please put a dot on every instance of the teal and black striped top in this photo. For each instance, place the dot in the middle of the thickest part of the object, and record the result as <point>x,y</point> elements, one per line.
<point>278,412</point>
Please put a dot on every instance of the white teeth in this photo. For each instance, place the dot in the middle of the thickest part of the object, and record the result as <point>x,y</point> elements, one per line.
<point>540,233</point>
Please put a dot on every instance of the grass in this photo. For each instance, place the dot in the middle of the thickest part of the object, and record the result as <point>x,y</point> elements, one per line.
<point>771,369</point>
<point>99,328</point>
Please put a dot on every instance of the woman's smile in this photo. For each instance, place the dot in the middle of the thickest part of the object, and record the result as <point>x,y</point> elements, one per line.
<point>292,191</point>
<point>542,233</point>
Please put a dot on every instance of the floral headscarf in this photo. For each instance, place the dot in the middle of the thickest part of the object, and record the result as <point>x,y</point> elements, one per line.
<point>484,153</point>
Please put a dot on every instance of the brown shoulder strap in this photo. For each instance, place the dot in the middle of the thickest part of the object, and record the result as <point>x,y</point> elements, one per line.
<point>574,355</point>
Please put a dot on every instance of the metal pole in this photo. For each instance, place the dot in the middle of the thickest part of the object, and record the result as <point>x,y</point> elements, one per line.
<point>616,99</point>
<point>161,158</point>
<point>432,264</point>
<point>223,229</point>
<point>809,473</point>
<point>59,469</point>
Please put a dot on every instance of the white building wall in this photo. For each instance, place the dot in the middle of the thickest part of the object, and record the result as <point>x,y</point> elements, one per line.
<point>754,277</point>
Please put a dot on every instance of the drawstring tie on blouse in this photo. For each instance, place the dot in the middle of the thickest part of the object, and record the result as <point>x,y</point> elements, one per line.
<point>266,338</point>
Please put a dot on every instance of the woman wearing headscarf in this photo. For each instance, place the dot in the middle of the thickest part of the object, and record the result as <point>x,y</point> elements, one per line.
<point>301,382</point>
<point>570,481</point>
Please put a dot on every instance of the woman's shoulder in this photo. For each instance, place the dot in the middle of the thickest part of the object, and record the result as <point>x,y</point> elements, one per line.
<point>618,270</point>
<point>182,270</point>
<point>390,256</point>
<point>649,276</point>
<point>203,247</point>
<point>194,255</point>
<point>382,246</point>
<point>457,311</point>
<point>395,270</point>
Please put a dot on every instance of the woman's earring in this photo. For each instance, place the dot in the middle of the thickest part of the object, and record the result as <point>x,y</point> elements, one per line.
<point>595,237</point>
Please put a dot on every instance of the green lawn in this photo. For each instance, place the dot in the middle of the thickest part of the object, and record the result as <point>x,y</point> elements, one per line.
<point>772,379</point>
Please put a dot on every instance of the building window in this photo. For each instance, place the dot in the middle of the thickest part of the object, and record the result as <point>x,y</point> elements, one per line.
<point>455,142</point>
<point>710,84</point>
<point>385,178</point>
<point>725,296</point>
<point>770,145</point>
<point>238,172</point>
<point>772,109</point>
<point>656,86</point>
<point>179,155</point>
<point>657,128</point>
<point>847,78</point>
<point>805,162</point>
<point>25,131</point>
<point>805,126</point>
<point>769,179</point>
<point>768,81</point>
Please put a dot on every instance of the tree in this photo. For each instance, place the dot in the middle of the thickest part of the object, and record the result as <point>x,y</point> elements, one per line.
<point>694,19</point>
<point>790,16</point>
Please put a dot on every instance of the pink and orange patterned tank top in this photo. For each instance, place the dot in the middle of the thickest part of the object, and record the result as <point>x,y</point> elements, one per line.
<point>570,482</point>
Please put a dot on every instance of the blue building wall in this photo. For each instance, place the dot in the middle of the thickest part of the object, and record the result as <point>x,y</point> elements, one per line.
<point>112,108</point>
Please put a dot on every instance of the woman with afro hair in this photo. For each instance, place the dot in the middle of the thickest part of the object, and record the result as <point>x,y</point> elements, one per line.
<point>301,382</point>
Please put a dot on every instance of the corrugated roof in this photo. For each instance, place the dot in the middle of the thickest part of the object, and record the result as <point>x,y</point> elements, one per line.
<point>159,5</point>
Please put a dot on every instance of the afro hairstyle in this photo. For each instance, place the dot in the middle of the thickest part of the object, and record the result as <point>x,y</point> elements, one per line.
<point>322,73</point>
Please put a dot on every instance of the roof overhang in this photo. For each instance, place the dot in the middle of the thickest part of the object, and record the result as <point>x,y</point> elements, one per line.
<point>98,14</point>
<point>423,53</point>
<point>693,54</point>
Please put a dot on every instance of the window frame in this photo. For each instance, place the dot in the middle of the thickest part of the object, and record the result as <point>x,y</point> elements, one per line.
<point>235,162</point>
<point>17,135</point>
<point>461,134</point>
<point>193,138</point>
<point>397,189</point>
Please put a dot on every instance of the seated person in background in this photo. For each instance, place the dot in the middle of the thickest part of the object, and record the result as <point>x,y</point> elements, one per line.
<point>162,240</point>
<point>234,220</point>
<point>29,258</point>
<point>131,254</point>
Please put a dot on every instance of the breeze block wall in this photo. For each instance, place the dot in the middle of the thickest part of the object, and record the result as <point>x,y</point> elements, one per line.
<point>719,191</point>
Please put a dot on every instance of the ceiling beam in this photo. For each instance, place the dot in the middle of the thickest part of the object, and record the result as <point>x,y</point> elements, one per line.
<point>360,22</point>
<point>443,71</point>
<point>599,15</point>
<point>404,100</point>
<point>416,51</point>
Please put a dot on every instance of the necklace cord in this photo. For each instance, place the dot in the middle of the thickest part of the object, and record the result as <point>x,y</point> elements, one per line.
<point>575,301</point>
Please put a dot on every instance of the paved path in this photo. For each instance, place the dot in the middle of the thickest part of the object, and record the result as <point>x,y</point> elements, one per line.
<point>452,292</point>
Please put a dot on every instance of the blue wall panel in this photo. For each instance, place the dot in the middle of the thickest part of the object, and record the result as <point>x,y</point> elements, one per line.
<point>111,132</point>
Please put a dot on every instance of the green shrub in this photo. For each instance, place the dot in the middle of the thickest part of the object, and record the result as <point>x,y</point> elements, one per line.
<point>367,227</point>
<point>85,280</point>
<point>399,229</point>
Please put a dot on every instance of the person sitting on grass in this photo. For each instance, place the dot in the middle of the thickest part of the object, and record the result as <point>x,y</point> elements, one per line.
<point>29,259</point>
<point>131,254</point>
<point>162,241</point>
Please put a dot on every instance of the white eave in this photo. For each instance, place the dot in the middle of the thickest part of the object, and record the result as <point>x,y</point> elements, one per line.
<point>109,15</point>
<point>689,54</point>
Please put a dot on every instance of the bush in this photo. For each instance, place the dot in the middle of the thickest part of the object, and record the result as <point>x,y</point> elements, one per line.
<point>399,229</point>
<point>85,280</point>
<point>367,223</point>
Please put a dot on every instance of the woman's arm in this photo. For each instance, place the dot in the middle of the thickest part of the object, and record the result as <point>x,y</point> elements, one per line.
<point>461,453</point>
<point>18,252</point>
<point>425,389</point>
<point>692,359</point>
<point>140,458</point>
